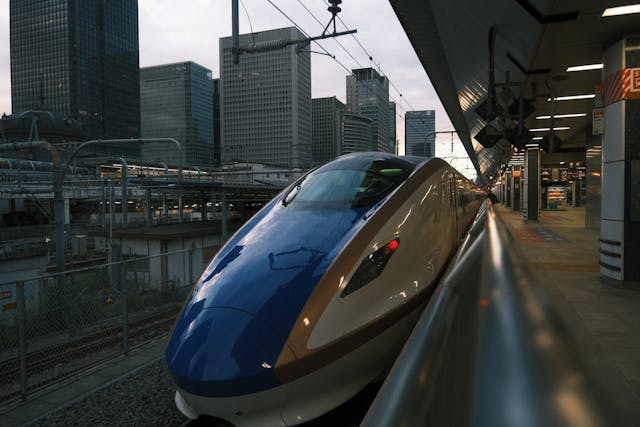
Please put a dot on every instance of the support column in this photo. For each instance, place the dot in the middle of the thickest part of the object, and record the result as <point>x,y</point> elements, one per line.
<point>515,188</point>
<point>203,207</point>
<point>149,210</point>
<point>508,185</point>
<point>223,231</point>
<point>620,220</point>
<point>213,205</point>
<point>531,187</point>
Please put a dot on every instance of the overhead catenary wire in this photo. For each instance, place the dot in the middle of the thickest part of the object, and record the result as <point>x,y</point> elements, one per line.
<point>348,70</point>
<point>248,19</point>
<point>371,58</point>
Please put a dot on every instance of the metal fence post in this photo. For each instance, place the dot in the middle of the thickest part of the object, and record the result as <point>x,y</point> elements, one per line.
<point>22,338</point>
<point>125,309</point>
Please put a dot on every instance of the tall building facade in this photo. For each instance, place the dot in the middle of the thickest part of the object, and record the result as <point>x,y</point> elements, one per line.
<point>326,113</point>
<point>79,58</point>
<point>393,137</point>
<point>266,102</point>
<point>357,131</point>
<point>217,136</point>
<point>368,95</point>
<point>176,101</point>
<point>420,133</point>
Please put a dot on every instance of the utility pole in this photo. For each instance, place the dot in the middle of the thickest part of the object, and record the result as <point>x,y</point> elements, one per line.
<point>235,36</point>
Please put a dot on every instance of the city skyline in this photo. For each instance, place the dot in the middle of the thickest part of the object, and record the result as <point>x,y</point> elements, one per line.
<point>171,32</point>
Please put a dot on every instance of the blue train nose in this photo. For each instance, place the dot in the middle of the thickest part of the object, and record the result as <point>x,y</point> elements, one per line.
<point>221,352</point>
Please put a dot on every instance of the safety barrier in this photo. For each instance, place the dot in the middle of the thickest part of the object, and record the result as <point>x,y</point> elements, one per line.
<point>488,350</point>
<point>55,325</point>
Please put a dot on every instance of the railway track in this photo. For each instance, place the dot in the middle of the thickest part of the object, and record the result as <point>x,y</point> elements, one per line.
<point>53,362</point>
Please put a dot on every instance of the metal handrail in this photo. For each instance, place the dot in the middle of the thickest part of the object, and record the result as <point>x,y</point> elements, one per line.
<point>488,351</point>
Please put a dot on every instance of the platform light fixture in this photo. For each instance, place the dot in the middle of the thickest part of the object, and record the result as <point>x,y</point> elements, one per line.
<point>561,116</point>
<point>586,67</point>
<point>548,129</point>
<point>573,97</point>
<point>537,138</point>
<point>621,10</point>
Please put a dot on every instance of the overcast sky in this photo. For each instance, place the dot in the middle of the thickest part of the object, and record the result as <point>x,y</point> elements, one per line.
<point>174,31</point>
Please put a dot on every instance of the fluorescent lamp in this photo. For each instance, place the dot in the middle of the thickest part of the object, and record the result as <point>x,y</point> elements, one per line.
<point>548,129</point>
<point>572,97</point>
<point>561,116</point>
<point>537,138</point>
<point>585,67</point>
<point>621,10</point>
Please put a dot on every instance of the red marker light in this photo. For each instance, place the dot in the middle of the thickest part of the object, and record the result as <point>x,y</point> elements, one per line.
<point>391,246</point>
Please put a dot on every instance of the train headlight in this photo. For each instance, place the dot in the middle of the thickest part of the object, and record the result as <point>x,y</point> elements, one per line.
<point>371,267</point>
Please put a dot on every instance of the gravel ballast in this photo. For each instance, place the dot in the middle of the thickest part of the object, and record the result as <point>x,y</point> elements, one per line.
<point>143,398</point>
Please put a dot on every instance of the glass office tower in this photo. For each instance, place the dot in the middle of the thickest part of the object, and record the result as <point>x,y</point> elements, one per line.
<point>177,102</point>
<point>368,95</point>
<point>326,129</point>
<point>420,133</point>
<point>79,58</point>
<point>265,101</point>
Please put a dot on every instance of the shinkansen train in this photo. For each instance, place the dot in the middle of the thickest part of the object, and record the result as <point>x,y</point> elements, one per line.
<point>314,297</point>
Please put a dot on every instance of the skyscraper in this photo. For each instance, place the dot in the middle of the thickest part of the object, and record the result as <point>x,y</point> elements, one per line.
<point>79,58</point>
<point>420,133</point>
<point>217,135</point>
<point>368,95</point>
<point>266,101</point>
<point>326,129</point>
<point>393,138</point>
<point>357,131</point>
<point>176,101</point>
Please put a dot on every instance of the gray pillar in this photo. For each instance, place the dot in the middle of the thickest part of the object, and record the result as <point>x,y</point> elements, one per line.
<point>203,207</point>
<point>620,220</point>
<point>165,209</point>
<point>508,185</point>
<point>149,211</point>
<point>103,204</point>
<point>531,187</point>
<point>213,205</point>
<point>515,188</point>
<point>223,202</point>
<point>59,215</point>
<point>125,195</point>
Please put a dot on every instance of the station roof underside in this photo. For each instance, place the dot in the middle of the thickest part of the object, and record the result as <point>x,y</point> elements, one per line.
<point>535,41</point>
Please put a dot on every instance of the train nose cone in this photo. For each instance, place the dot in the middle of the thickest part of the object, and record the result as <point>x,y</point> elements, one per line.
<point>221,352</point>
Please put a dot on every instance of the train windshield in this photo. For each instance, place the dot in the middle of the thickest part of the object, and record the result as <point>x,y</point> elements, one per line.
<point>346,185</point>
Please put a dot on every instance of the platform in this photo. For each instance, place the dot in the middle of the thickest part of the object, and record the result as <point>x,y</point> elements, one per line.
<point>602,316</point>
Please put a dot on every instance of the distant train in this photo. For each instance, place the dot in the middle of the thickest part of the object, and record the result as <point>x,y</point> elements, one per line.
<point>313,298</point>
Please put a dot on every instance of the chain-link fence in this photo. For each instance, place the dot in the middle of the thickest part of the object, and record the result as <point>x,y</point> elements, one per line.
<point>54,325</point>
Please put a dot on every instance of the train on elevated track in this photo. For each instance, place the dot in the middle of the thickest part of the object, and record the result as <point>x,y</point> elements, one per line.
<point>314,297</point>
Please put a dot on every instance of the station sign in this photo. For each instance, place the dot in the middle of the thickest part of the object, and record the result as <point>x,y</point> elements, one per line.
<point>597,119</point>
<point>634,83</point>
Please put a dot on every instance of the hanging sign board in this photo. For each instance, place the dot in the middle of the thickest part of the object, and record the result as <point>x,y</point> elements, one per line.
<point>597,118</point>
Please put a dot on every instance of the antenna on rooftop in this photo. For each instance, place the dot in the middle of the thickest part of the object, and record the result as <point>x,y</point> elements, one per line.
<point>281,44</point>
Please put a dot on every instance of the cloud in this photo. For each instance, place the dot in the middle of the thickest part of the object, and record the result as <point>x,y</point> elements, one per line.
<point>5,66</point>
